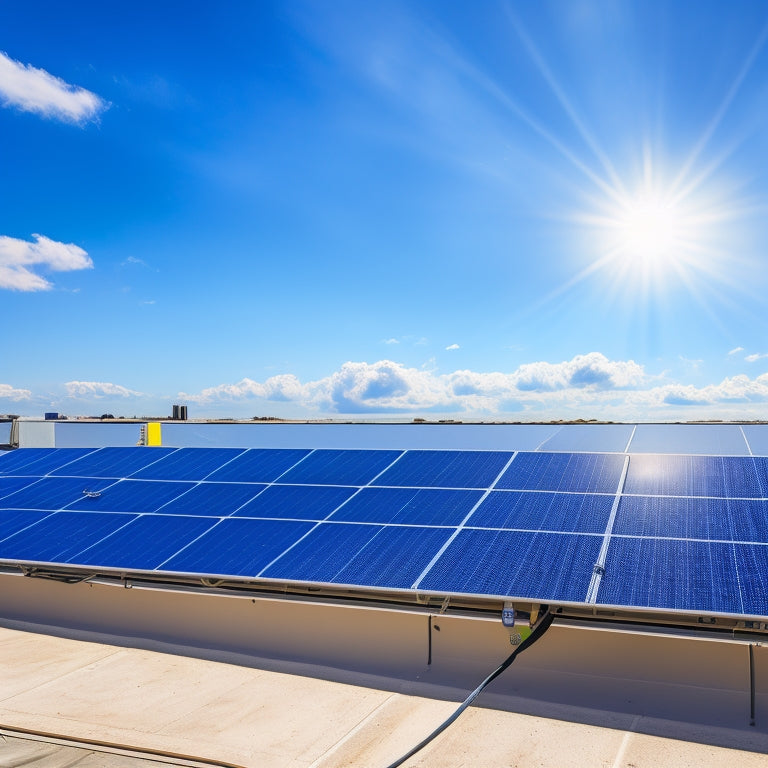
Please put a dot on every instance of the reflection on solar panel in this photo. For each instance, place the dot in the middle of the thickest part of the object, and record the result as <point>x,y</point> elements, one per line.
<point>639,531</point>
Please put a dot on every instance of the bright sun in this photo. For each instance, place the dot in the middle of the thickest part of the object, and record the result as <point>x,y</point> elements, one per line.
<point>649,230</point>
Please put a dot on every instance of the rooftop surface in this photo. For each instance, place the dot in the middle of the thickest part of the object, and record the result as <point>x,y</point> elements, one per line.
<point>247,715</point>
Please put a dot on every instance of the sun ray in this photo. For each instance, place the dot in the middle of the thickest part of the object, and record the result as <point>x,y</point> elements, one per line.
<point>565,103</point>
<point>722,109</point>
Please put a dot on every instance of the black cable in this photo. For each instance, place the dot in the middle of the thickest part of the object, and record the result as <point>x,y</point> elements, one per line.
<point>540,628</point>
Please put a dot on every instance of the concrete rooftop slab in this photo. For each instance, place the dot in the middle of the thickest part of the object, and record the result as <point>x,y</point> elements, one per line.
<point>250,717</point>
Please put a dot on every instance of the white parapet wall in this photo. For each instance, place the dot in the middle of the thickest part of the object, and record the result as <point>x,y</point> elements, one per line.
<point>574,671</point>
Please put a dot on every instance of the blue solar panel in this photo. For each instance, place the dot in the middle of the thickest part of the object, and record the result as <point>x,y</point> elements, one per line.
<point>53,492</point>
<point>38,461</point>
<point>131,496</point>
<point>409,506</point>
<point>672,573</point>
<point>370,555</point>
<point>328,467</point>
<point>188,464</point>
<point>572,472</point>
<point>379,518</point>
<point>446,469</point>
<point>693,518</point>
<point>237,547</point>
<point>752,567</point>
<point>259,465</point>
<point>144,543</point>
<point>694,476</point>
<point>212,499</point>
<point>112,462</point>
<point>14,520</point>
<point>761,468</point>
<point>9,485</point>
<point>302,502</point>
<point>538,566</point>
<point>61,535</point>
<point>566,512</point>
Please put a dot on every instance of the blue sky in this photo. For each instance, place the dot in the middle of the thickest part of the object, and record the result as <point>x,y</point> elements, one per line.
<point>491,210</point>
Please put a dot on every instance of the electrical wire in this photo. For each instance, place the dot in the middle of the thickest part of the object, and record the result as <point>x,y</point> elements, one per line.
<point>541,627</point>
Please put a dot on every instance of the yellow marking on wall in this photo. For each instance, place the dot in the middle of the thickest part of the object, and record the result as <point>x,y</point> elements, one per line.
<point>154,434</point>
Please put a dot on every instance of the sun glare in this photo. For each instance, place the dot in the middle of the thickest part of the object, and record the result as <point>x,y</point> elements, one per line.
<point>649,230</point>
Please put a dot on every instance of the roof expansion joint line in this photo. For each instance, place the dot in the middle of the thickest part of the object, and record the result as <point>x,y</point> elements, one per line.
<point>598,570</point>
<point>320,522</point>
<point>461,525</point>
<point>631,438</point>
<point>743,434</point>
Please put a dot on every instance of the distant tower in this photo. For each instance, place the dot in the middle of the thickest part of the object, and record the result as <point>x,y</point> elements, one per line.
<point>179,413</point>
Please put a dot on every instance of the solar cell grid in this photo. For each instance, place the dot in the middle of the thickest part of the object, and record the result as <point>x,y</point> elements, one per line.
<point>409,506</point>
<point>332,467</point>
<point>38,461</point>
<point>9,485</point>
<point>14,520</point>
<point>212,499</point>
<point>53,492</point>
<point>237,547</point>
<point>112,462</point>
<point>690,531</point>
<point>672,573</point>
<point>445,469</point>
<point>543,512</point>
<point>692,518</point>
<point>188,464</point>
<point>301,502</point>
<point>735,477</point>
<point>540,566</point>
<point>144,543</point>
<point>564,472</point>
<point>259,465</point>
<point>130,496</point>
<point>353,554</point>
<point>59,536</point>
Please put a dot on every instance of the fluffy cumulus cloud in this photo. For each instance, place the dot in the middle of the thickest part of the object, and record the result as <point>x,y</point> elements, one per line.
<point>588,386</point>
<point>390,387</point>
<point>86,390</point>
<point>283,388</point>
<point>18,258</point>
<point>34,90</point>
<point>591,371</point>
<point>7,392</point>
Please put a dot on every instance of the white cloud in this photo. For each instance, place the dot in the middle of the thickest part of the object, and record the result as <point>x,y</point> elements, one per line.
<point>754,358</point>
<point>593,371</point>
<point>588,386</point>
<point>451,347</point>
<point>387,386</point>
<point>98,390</point>
<point>35,90</point>
<point>17,256</point>
<point>736,350</point>
<point>7,392</point>
<point>390,341</point>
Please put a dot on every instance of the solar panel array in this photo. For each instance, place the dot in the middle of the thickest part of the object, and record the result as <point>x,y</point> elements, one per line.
<point>679,532</point>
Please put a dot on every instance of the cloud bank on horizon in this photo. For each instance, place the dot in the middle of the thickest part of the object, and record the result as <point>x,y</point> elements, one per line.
<point>587,386</point>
